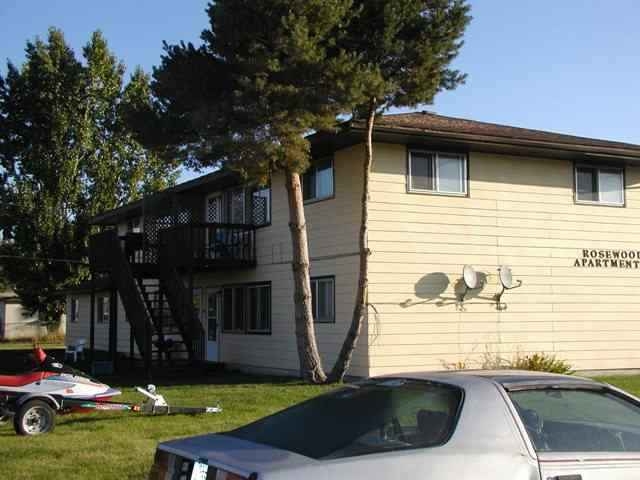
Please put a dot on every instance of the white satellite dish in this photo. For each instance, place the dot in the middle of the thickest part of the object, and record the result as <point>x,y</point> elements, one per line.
<point>506,279</point>
<point>470,277</point>
<point>471,281</point>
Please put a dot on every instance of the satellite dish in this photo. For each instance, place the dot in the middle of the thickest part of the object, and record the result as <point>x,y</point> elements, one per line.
<point>471,281</point>
<point>506,279</point>
<point>470,277</point>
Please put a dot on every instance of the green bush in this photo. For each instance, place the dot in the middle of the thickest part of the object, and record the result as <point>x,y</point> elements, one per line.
<point>541,362</point>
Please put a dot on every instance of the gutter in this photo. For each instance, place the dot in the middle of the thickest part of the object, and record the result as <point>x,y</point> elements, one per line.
<point>612,152</point>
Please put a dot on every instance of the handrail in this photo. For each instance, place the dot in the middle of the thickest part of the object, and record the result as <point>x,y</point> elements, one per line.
<point>105,246</point>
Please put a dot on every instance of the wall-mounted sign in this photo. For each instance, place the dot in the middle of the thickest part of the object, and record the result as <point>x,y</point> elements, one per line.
<point>592,258</point>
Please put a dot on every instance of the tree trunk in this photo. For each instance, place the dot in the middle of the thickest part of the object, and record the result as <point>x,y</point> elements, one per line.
<point>310,362</point>
<point>360,308</point>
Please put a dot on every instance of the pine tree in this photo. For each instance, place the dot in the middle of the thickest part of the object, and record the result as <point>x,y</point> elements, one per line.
<point>268,73</point>
<point>405,49</point>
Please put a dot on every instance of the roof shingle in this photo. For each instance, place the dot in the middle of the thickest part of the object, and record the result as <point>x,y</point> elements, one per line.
<point>428,122</point>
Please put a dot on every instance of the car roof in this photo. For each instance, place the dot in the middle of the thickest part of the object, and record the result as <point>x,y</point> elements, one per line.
<point>508,379</point>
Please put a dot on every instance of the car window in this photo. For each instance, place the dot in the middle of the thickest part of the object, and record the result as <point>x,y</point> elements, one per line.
<point>560,420</point>
<point>369,417</point>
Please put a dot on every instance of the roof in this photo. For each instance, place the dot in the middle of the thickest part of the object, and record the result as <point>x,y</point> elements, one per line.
<point>431,122</point>
<point>7,296</point>
<point>443,131</point>
<point>136,208</point>
<point>509,379</point>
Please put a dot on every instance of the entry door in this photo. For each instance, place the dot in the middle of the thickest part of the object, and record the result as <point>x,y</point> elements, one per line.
<point>212,214</point>
<point>212,314</point>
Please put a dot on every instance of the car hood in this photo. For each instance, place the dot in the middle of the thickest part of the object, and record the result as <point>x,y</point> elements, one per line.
<point>240,456</point>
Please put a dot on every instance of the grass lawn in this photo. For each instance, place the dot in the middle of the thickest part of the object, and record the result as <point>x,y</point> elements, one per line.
<point>28,346</point>
<point>114,445</point>
<point>120,446</point>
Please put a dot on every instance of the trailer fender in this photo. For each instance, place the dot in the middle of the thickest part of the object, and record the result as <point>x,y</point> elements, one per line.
<point>50,399</point>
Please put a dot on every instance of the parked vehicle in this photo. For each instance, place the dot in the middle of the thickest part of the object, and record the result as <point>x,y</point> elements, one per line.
<point>509,425</point>
<point>33,399</point>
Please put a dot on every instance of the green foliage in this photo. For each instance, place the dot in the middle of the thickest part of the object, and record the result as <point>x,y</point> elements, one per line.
<point>268,72</point>
<point>541,362</point>
<point>405,48</point>
<point>66,154</point>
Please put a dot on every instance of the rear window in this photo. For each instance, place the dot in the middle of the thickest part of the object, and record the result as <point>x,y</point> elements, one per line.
<point>369,417</point>
<point>575,420</point>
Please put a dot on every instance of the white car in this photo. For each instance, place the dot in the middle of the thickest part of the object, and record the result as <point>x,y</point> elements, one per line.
<point>485,425</point>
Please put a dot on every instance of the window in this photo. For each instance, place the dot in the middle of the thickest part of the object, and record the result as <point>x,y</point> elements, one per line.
<point>103,310</point>
<point>323,299</point>
<point>368,417</point>
<point>261,206</point>
<point>259,308</point>
<point>603,185</point>
<point>74,310</point>
<point>437,172</point>
<point>236,206</point>
<point>317,181</point>
<point>247,308</point>
<point>578,420</point>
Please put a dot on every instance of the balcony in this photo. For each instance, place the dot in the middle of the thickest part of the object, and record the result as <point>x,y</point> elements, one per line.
<point>202,246</point>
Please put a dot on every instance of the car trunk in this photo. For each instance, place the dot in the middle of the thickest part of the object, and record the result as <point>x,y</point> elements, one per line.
<point>240,457</point>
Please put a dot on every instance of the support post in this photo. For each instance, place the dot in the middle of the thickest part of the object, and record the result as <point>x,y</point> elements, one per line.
<point>92,324</point>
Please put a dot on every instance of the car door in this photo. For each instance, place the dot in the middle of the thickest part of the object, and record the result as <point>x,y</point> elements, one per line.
<point>582,433</point>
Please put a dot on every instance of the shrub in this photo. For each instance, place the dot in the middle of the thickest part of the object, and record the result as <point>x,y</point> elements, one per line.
<point>541,362</point>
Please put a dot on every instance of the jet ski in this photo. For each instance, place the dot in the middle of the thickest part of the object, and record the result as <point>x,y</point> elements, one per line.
<point>33,399</point>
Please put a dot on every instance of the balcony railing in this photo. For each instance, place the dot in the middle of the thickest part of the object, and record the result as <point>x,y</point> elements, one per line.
<point>207,244</point>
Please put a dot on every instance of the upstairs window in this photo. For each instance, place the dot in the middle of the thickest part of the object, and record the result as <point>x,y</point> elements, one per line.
<point>602,185</point>
<point>437,172</point>
<point>317,181</point>
<point>236,206</point>
<point>261,206</point>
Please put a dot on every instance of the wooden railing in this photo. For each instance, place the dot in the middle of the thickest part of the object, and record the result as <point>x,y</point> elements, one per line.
<point>200,244</point>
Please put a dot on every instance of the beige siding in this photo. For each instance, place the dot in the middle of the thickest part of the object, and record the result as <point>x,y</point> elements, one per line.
<point>81,329</point>
<point>18,323</point>
<point>520,212</point>
<point>333,228</point>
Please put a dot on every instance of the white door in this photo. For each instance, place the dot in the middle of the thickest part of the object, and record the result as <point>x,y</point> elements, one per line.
<point>212,316</point>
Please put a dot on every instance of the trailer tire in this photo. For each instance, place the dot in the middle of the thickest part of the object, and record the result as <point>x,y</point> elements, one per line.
<point>34,417</point>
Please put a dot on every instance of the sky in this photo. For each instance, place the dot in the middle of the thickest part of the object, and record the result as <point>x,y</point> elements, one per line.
<point>570,66</point>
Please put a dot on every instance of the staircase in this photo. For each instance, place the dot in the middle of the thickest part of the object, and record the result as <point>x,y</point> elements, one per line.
<point>167,343</point>
<point>159,309</point>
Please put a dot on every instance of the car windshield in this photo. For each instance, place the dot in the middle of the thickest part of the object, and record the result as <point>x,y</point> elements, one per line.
<point>368,417</point>
<point>575,420</point>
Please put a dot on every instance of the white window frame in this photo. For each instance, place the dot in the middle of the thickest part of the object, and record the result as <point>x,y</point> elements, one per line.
<point>314,293</point>
<point>598,169</point>
<point>465,176</point>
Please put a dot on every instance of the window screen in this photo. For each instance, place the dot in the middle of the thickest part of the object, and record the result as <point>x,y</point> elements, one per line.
<point>437,172</point>
<point>600,185</point>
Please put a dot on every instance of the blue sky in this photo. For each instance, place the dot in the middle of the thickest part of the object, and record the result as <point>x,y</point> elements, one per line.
<point>567,66</point>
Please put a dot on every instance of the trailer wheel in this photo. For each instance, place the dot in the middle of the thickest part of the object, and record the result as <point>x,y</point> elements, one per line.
<point>34,418</point>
